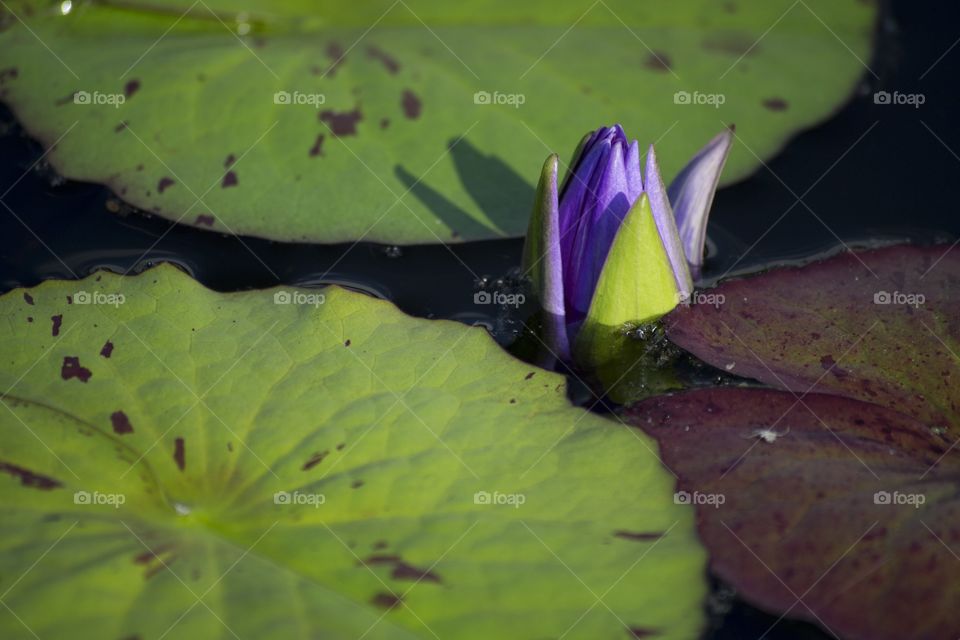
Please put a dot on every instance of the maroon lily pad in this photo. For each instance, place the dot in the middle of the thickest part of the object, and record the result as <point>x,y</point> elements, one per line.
<point>880,325</point>
<point>823,508</point>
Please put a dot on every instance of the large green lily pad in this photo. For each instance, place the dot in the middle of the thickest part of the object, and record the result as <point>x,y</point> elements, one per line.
<point>377,430</point>
<point>400,151</point>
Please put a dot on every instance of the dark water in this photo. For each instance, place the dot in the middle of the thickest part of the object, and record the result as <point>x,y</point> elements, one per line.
<point>872,173</point>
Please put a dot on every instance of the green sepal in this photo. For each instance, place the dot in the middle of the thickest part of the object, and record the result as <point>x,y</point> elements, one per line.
<point>636,285</point>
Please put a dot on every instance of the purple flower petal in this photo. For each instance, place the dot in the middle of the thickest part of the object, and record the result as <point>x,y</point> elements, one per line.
<point>576,193</point>
<point>634,179</point>
<point>666,225</point>
<point>576,244</point>
<point>542,260</point>
<point>612,189</point>
<point>691,194</point>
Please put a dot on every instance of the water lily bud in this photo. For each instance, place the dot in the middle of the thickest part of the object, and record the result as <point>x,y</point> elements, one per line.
<point>605,247</point>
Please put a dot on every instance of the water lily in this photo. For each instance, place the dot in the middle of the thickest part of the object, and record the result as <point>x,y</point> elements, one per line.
<point>613,245</point>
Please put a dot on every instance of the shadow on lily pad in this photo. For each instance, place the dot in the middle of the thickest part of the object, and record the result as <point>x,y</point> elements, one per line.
<point>500,192</point>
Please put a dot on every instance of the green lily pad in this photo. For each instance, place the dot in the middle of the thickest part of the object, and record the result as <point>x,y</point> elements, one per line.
<point>435,116</point>
<point>181,463</point>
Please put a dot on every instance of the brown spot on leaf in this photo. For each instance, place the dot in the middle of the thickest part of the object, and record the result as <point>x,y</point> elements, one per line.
<point>27,298</point>
<point>389,62</point>
<point>827,363</point>
<point>153,560</point>
<point>164,183</point>
<point>229,161</point>
<point>71,369</point>
<point>640,632</point>
<point>121,423</point>
<point>205,220</point>
<point>29,478</point>
<point>57,322</point>
<point>776,104</point>
<point>530,375</point>
<point>404,571</point>
<point>342,123</point>
<point>657,61</point>
<point>346,342</point>
<point>378,559</point>
<point>337,57</point>
<point>229,180</point>
<point>120,127</point>
<point>401,569</point>
<point>179,453</point>
<point>384,123</point>
<point>131,88</point>
<point>411,104</point>
<point>385,600</point>
<point>356,484</point>
<point>107,350</point>
<point>317,148</point>
<point>315,459</point>
<point>145,557</point>
<point>639,536</point>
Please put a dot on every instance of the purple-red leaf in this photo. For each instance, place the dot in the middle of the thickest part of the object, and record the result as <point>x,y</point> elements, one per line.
<point>829,509</point>
<point>881,326</point>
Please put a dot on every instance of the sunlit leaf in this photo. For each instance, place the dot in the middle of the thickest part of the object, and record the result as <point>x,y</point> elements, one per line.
<point>436,116</point>
<point>314,463</point>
